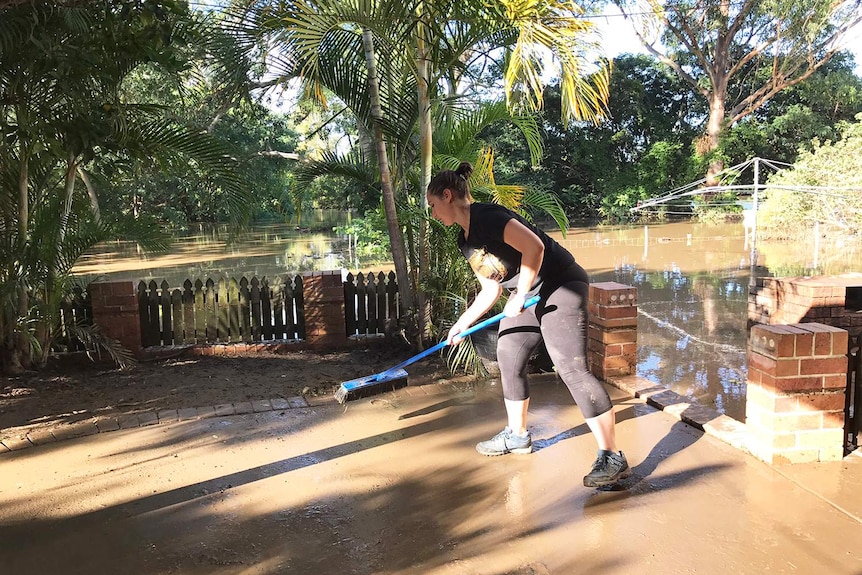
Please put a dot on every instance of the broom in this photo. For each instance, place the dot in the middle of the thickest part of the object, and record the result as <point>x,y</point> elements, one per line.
<point>396,377</point>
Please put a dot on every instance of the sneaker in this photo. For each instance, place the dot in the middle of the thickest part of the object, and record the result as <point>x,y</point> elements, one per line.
<point>506,442</point>
<point>610,467</point>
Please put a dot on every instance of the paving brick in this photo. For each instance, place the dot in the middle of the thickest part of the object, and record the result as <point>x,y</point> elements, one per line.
<point>243,407</point>
<point>16,443</point>
<point>280,403</point>
<point>698,415</point>
<point>261,405</point>
<point>107,424</point>
<point>128,421</point>
<point>148,418</point>
<point>75,430</point>
<point>187,413</point>
<point>41,436</point>
<point>297,401</point>
<point>168,416</point>
<point>663,399</point>
<point>224,409</point>
<point>204,412</point>
<point>636,385</point>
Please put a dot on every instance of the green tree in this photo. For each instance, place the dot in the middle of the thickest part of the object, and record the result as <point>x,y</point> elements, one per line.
<point>427,45</point>
<point>640,150</point>
<point>61,72</point>
<point>814,108</point>
<point>739,55</point>
<point>824,186</point>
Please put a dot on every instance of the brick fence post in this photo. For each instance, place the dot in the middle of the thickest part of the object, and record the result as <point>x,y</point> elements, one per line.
<point>794,409</point>
<point>820,299</point>
<point>323,295</point>
<point>612,332</point>
<point>116,312</point>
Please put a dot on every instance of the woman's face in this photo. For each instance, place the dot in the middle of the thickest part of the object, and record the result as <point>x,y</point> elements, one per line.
<point>441,207</point>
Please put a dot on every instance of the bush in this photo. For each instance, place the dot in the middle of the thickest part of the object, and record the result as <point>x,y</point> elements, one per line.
<point>824,185</point>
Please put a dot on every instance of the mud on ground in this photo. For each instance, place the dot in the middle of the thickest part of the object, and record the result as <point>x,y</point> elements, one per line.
<point>73,391</point>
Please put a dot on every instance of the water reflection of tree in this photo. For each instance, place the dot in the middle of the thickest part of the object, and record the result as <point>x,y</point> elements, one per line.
<point>705,291</point>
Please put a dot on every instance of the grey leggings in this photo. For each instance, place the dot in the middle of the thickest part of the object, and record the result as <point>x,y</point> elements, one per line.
<point>560,318</point>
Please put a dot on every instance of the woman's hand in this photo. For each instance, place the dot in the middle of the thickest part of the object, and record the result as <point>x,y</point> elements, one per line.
<point>485,299</point>
<point>454,337</point>
<point>515,304</point>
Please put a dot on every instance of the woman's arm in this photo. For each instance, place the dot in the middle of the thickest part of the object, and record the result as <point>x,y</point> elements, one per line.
<point>485,300</point>
<point>532,251</point>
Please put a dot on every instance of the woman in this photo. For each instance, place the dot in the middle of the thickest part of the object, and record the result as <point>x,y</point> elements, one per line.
<point>506,251</point>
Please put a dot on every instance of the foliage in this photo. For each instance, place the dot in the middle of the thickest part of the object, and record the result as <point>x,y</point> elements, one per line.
<point>823,186</point>
<point>738,56</point>
<point>179,192</point>
<point>792,120</point>
<point>64,116</point>
<point>368,233</point>
<point>377,56</point>
<point>642,149</point>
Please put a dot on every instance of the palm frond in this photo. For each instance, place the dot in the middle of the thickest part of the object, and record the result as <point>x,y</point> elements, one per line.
<point>95,341</point>
<point>163,136</point>
<point>353,167</point>
<point>549,204</point>
<point>460,136</point>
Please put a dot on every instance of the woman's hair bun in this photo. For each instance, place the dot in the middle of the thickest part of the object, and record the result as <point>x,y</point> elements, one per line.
<point>465,169</point>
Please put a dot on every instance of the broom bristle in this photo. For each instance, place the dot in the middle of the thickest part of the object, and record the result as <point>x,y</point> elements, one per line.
<point>369,385</point>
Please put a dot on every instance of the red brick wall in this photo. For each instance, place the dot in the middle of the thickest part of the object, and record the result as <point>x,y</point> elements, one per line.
<point>775,301</point>
<point>797,375</point>
<point>323,294</point>
<point>612,331</point>
<point>115,311</point>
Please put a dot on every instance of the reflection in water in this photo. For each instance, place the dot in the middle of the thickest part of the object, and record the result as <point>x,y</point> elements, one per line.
<point>265,251</point>
<point>692,281</point>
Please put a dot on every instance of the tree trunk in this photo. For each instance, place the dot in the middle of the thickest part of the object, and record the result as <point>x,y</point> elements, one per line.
<point>69,189</point>
<point>19,354</point>
<point>425,159</point>
<point>720,75</point>
<point>714,127</point>
<point>91,194</point>
<point>396,239</point>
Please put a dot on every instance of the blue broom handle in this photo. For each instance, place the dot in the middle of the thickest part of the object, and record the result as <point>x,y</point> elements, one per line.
<point>481,325</point>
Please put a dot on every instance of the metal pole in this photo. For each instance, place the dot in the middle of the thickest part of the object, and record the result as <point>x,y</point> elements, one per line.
<point>752,257</point>
<point>646,242</point>
<point>756,199</point>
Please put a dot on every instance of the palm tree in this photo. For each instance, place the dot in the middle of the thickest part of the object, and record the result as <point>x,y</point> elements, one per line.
<point>421,44</point>
<point>61,72</point>
<point>333,45</point>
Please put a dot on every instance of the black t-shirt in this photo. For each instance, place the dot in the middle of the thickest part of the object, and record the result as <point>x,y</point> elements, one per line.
<point>489,256</point>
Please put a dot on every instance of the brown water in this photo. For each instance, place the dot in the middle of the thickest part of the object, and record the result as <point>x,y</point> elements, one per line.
<point>692,281</point>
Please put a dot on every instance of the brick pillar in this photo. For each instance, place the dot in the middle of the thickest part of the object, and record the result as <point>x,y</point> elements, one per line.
<point>794,409</point>
<point>116,312</point>
<point>612,332</point>
<point>323,295</point>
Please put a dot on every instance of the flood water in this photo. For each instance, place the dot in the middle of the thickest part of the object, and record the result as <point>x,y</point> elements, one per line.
<point>692,280</point>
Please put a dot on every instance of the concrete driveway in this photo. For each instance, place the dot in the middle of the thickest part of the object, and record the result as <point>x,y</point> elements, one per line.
<point>392,485</point>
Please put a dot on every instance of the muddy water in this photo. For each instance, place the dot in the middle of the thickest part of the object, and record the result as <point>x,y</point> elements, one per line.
<point>266,250</point>
<point>692,282</point>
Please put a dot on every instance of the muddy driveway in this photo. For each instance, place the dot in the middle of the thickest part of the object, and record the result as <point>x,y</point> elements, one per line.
<point>392,485</point>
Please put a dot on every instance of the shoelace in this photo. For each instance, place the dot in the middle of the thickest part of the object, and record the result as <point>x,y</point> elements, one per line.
<point>602,461</point>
